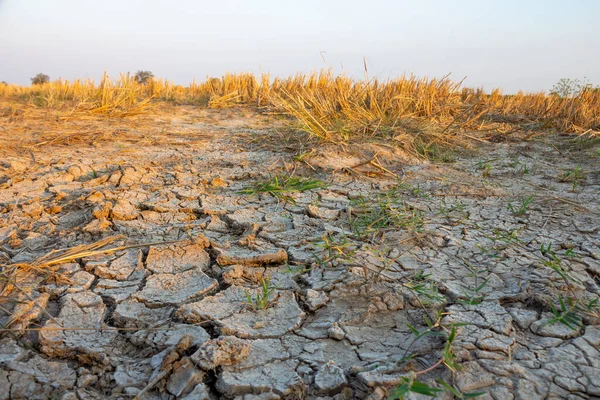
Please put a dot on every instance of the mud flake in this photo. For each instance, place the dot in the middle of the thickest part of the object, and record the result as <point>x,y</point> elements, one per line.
<point>229,309</point>
<point>175,289</point>
<point>223,351</point>
<point>262,253</point>
<point>134,314</point>
<point>84,312</point>
<point>279,377</point>
<point>123,210</point>
<point>178,257</point>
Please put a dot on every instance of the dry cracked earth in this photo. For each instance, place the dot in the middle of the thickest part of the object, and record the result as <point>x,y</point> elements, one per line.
<point>352,266</point>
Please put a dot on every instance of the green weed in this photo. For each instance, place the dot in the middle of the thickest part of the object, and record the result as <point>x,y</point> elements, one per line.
<point>456,392</point>
<point>279,186</point>
<point>566,313</point>
<point>521,209</point>
<point>435,152</point>
<point>576,175</point>
<point>410,384</point>
<point>334,249</point>
<point>386,211</point>
<point>424,288</point>
<point>262,299</point>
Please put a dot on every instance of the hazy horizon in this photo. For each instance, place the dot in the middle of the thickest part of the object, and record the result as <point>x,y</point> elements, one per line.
<point>511,45</point>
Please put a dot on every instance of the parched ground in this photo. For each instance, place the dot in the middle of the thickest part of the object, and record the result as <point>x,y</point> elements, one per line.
<point>486,243</point>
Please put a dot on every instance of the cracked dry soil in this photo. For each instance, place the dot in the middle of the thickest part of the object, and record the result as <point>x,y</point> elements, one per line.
<point>172,320</point>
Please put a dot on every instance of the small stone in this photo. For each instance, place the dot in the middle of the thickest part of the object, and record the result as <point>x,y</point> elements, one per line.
<point>330,379</point>
<point>315,300</point>
<point>336,333</point>
<point>86,380</point>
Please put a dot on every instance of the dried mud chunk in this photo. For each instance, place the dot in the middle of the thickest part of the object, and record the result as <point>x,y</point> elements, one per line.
<point>472,377</point>
<point>124,211</point>
<point>227,350</point>
<point>260,254</point>
<point>178,257</point>
<point>69,279</point>
<point>44,372</point>
<point>488,314</point>
<point>587,223</point>
<point>279,378</point>
<point>184,378</point>
<point>322,213</point>
<point>33,210</point>
<point>543,327</point>
<point>175,289</point>
<point>221,305</point>
<point>132,374</point>
<point>10,351</point>
<point>97,226</point>
<point>240,275</point>
<point>134,314</point>
<point>27,310</point>
<point>117,291</point>
<point>130,177</point>
<point>230,310</point>
<point>330,379</point>
<point>262,351</point>
<point>200,392</point>
<point>78,310</point>
<point>244,218</point>
<point>169,335</point>
<point>120,268</point>
<point>315,299</point>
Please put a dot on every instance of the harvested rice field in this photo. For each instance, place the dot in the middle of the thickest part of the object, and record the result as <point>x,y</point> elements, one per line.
<point>314,240</point>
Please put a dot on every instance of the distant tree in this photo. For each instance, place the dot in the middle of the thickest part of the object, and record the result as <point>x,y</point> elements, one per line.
<point>39,79</point>
<point>567,87</point>
<point>4,83</point>
<point>143,77</point>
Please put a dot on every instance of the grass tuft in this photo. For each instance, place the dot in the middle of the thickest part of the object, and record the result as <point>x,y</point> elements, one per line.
<point>280,186</point>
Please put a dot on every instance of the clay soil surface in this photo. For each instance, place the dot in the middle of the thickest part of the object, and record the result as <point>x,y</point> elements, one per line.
<point>384,245</point>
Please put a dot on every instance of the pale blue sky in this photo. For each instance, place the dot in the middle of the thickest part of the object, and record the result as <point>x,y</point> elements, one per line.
<point>526,44</point>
